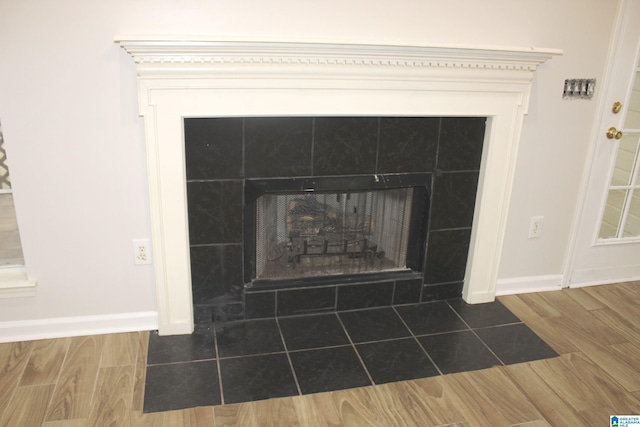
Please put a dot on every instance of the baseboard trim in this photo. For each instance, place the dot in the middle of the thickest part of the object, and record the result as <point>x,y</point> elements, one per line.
<point>602,276</point>
<point>523,285</point>
<point>29,330</point>
<point>15,283</point>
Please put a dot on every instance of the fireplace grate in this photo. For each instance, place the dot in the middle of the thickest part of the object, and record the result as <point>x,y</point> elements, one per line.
<point>312,234</point>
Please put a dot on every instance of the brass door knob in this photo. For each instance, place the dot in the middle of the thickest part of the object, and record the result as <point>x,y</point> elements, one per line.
<point>612,133</point>
<point>617,106</point>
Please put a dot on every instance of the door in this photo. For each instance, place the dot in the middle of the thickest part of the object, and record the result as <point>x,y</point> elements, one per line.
<point>607,243</point>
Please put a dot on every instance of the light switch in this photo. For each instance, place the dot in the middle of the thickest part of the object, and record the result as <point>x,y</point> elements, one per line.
<point>579,88</point>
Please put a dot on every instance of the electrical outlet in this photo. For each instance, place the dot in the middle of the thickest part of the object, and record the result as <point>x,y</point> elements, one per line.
<point>535,229</point>
<point>141,251</point>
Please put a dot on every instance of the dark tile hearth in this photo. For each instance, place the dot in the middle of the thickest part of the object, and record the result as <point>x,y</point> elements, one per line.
<point>432,318</point>
<point>266,332</point>
<point>256,378</point>
<point>181,385</point>
<point>374,325</point>
<point>515,343</point>
<point>396,360</point>
<point>328,369</point>
<point>312,331</point>
<point>248,360</point>
<point>182,348</point>
<point>249,337</point>
<point>458,351</point>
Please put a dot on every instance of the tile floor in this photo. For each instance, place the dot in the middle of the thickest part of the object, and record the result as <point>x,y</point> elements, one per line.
<point>261,359</point>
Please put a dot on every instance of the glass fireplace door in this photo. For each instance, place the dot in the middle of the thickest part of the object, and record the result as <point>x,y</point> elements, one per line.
<point>312,234</point>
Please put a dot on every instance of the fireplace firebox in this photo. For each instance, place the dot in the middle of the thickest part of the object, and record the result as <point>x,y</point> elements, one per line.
<point>309,231</point>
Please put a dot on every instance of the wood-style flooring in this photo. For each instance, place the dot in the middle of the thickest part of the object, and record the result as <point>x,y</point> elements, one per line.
<point>99,380</point>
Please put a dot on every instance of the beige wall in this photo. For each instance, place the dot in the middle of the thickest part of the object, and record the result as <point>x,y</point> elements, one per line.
<point>77,151</point>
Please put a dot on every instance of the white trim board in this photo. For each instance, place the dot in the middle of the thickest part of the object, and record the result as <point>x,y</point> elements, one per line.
<point>602,276</point>
<point>28,330</point>
<point>523,285</point>
<point>15,283</point>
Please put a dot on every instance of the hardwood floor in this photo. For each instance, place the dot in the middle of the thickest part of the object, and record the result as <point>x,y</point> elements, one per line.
<point>99,380</point>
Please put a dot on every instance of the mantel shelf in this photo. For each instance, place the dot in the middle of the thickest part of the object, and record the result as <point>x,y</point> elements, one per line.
<point>160,51</point>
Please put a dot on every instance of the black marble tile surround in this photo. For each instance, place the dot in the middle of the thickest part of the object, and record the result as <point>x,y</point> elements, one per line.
<point>222,152</point>
<point>259,359</point>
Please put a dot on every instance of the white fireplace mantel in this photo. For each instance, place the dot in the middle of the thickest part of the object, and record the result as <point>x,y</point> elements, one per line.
<point>185,77</point>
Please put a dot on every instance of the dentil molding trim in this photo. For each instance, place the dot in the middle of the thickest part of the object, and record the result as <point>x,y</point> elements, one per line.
<point>167,52</point>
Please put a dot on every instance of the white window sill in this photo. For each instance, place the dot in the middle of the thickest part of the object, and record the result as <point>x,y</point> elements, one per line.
<point>14,283</point>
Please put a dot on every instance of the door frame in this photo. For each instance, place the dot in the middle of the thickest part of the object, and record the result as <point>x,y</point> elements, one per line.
<point>594,141</point>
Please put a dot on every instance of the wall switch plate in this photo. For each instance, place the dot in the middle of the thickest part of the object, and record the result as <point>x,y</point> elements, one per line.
<point>535,229</point>
<point>141,251</point>
<point>579,88</point>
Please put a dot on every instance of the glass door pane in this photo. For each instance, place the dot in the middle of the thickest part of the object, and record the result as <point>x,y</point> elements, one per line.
<point>10,245</point>
<point>612,214</point>
<point>621,216</point>
<point>632,222</point>
<point>632,119</point>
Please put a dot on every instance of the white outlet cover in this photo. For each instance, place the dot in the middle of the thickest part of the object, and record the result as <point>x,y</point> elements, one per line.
<point>141,251</point>
<point>535,228</point>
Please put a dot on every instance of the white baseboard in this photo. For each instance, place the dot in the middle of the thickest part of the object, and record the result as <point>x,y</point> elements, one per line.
<point>15,283</point>
<point>28,330</point>
<point>523,285</point>
<point>603,276</point>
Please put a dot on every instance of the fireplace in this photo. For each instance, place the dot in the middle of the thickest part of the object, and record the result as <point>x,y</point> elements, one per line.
<point>310,230</point>
<point>366,212</point>
<point>190,78</point>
